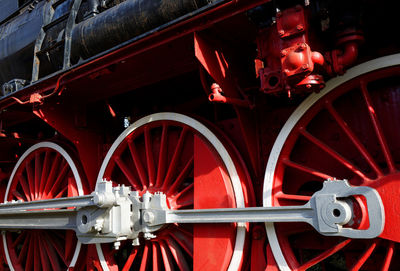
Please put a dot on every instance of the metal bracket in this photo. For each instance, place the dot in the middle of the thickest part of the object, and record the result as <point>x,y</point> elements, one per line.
<point>12,86</point>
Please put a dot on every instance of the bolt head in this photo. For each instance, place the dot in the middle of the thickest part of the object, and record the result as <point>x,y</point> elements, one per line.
<point>281,32</point>
<point>149,236</point>
<point>148,217</point>
<point>136,242</point>
<point>117,245</point>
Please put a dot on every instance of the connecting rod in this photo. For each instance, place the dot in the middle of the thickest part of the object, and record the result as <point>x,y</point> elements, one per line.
<point>112,214</point>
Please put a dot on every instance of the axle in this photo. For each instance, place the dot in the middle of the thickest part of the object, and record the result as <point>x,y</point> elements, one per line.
<point>112,214</point>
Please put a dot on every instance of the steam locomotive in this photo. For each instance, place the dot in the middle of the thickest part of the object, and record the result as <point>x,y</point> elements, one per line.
<point>199,135</point>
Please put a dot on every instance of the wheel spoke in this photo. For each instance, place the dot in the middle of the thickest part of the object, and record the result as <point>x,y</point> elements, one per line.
<point>53,173</point>
<point>333,154</point>
<point>70,244</point>
<point>43,256</point>
<point>179,180</point>
<point>52,255</point>
<point>185,232</point>
<point>156,257</point>
<point>56,244</point>
<point>30,179</point>
<point>38,173</point>
<point>132,180</point>
<point>305,169</point>
<point>45,173</point>
<point>356,142</point>
<point>377,126</point>
<point>389,257</point>
<point>149,157</point>
<point>138,164</point>
<point>58,182</point>
<point>184,198</point>
<point>29,256</point>
<point>145,257</point>
<point>168,265</point>
<point>324,255</point>
<point>175,158</point>
<point>364,257</point>
<point>37,264</point>
<point>162,158</point>
<point>61,193</point>
<point>25,187</point>
<point>18,196</point>
<point>186,242</point>
<point>282,196</point>
<point>24,250</point>
<point>177,254</point>
<point>19,239</point>
<point>130,260</point>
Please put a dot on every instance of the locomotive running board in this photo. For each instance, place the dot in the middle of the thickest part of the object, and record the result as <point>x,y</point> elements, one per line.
<point>112,214</point>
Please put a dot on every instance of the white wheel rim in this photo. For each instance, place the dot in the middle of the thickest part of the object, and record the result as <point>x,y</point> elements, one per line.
<point>356,71</point>
<point>75,172</point>
<point>222,152</point>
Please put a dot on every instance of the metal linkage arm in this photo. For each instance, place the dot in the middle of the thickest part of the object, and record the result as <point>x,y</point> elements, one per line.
<point>254,214</point>
<point>327,211</point>
<point>15,206</point>
<point>112,214</point>
<point>48,219</point>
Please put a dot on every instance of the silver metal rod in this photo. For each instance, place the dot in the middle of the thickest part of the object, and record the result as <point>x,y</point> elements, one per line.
<point>44,219</point>
<point>80,201</point>
<point>230,215</point>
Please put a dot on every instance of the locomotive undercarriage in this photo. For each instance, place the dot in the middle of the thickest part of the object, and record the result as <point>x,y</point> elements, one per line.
<point>108,175</point>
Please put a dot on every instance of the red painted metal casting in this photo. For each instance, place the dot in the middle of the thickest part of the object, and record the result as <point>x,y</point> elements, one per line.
<point>288,61</point>
<point>338,60</point>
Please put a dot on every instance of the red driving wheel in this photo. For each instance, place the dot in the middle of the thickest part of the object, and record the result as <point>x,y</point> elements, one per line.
<point>180,157</point>
<point>350,131</point>
<point>44,171</point>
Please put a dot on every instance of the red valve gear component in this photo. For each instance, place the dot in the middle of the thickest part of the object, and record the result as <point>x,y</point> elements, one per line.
<point>286,61</point>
